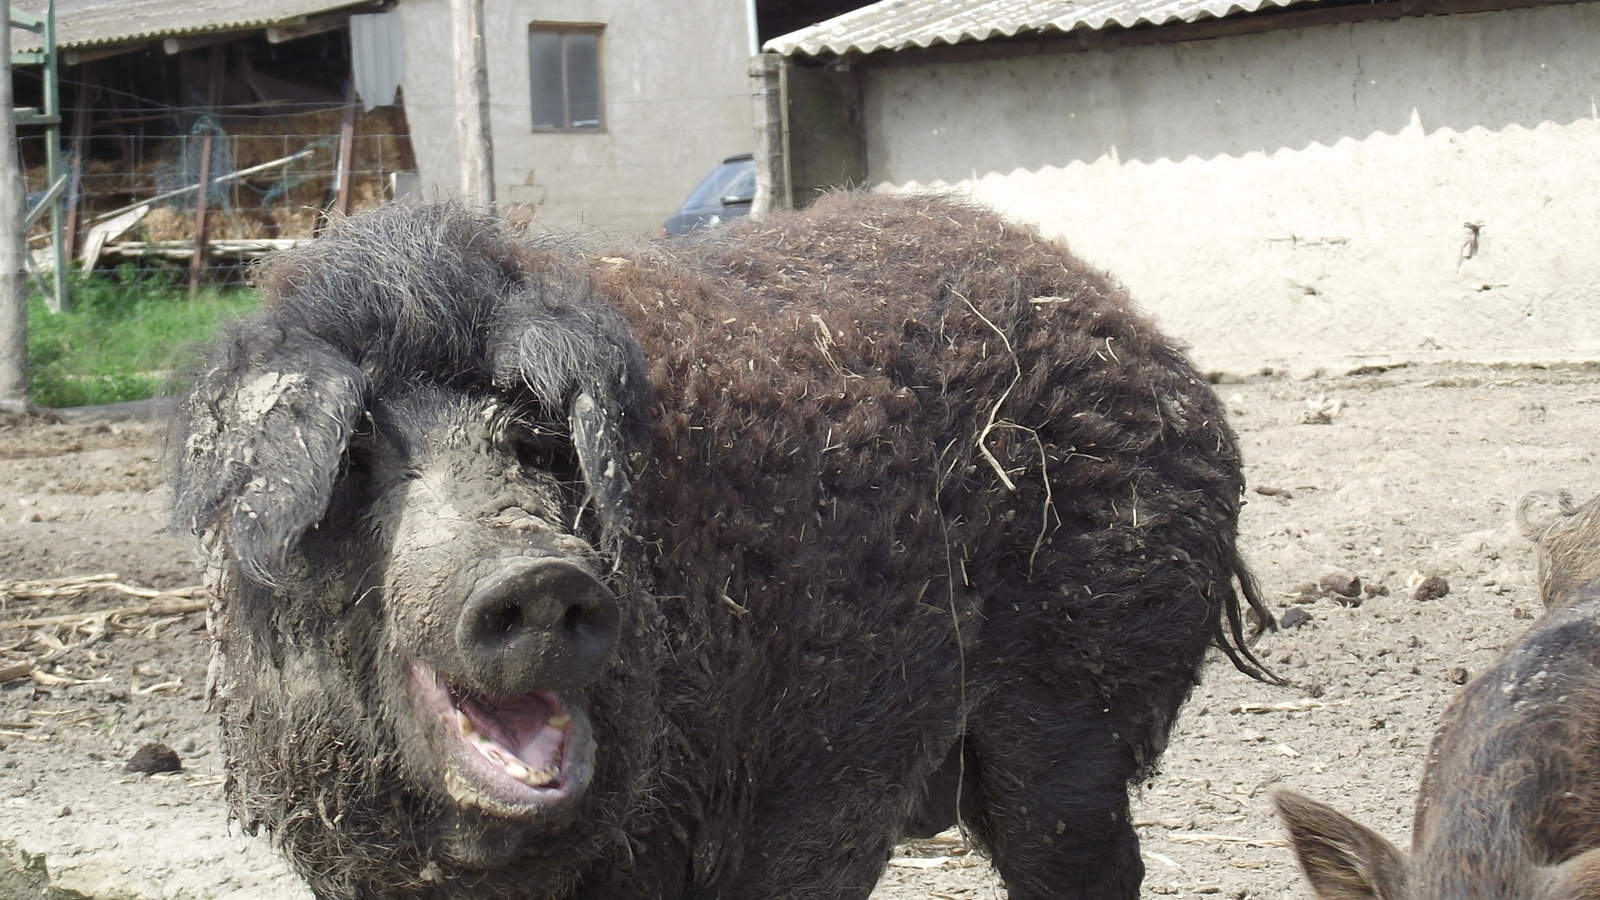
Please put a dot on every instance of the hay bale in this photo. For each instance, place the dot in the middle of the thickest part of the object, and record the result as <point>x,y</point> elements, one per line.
<point>165,223</point>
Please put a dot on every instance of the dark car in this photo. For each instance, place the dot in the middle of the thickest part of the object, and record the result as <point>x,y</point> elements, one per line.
<point>724,194</point>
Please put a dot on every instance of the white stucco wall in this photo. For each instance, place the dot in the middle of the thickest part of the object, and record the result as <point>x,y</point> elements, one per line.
<point>1297,197</point>
<point>676,96</point>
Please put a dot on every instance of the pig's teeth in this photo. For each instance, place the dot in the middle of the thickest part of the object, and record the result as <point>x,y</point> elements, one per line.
<point>546,742</point>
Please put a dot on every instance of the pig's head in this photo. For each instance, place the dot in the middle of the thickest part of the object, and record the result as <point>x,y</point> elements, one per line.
<point>409,478</point>
<point>497,618</point>
<point>1507,808</point>
<point>1471,859</point>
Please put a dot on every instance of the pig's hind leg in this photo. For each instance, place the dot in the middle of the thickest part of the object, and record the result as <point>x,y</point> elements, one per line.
<point>1073,706</point>
<point>1051,804</point>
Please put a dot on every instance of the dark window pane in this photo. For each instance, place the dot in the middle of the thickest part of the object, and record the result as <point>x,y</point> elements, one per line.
<point>583,80</point>
<point>544,64</point>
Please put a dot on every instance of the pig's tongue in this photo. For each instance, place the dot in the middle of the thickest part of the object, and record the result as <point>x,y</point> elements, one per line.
<point>524,736</point>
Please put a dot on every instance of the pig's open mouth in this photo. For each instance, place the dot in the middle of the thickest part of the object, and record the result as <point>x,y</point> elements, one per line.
<point>508,755</point>
<point>525,736</point>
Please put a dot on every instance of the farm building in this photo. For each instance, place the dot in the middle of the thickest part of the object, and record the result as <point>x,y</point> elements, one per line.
<point>604,113</point>
<point>1289,185</point>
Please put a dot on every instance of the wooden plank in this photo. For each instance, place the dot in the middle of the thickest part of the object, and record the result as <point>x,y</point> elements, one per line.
<point>69,230</point>
<point>50,196</point>
<point>306,27</point>
<point>94,54</point>
<point>347,150</point>
<point>402,132</point>
<point>80,134</point>
<point>175,45</point>
<point>241,249</point>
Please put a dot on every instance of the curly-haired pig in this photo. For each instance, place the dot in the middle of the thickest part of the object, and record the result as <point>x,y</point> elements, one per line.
<point>707,569</point>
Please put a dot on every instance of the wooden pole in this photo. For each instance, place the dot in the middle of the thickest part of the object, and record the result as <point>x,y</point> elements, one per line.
<point>783,112</point>
<point>80,134</point>
<point>69,230</point>
<point>347,150</point>
<point>56,298</point>
<point>198,261</point>
<point>13,246</point>
<point>472,104</point>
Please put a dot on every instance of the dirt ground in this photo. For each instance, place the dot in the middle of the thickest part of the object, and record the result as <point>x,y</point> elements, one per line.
<point>1390,476</point>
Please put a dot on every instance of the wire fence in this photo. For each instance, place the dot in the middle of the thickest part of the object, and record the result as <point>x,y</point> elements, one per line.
<point>271,180</point>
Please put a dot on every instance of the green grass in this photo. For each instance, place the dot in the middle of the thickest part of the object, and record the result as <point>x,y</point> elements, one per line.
<point>122,337</point>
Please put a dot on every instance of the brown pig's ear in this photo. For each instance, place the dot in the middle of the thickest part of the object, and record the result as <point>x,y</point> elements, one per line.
<point>257,447</point>
<point>1343,859</point>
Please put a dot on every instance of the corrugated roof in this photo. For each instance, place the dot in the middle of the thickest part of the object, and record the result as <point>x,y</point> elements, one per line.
<point>89,23</point>
<point>900,24</point>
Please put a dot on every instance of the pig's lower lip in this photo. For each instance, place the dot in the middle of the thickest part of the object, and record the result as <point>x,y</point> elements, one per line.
<point>507,756</point>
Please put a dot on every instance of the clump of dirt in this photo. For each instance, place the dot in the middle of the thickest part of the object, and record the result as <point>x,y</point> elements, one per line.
<point>1404,483</point>
<point>154,759</point>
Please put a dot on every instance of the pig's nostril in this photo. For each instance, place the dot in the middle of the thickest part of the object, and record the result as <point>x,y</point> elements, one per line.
<point>574,619</point>
<point>505,620</point>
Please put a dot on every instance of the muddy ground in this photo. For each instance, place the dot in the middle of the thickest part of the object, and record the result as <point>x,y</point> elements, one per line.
<point>1390,476</point>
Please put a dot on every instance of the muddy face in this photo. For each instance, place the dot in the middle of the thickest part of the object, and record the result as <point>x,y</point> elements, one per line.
<point>496,625</point>
<point>431,689</point>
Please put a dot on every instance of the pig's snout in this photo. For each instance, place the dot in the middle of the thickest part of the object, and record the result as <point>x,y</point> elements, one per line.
<point>537,625</point>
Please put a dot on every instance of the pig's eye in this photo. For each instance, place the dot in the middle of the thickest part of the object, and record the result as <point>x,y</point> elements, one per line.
<point>541,450</point>
<point>358,467</point>
<point>351,491</point>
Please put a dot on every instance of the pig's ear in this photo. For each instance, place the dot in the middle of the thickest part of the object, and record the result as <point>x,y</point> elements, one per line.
<point>1539,510</point>
<point>597,436</point>
<point>1576,879</point>
<point>257,448</point>
<point>1343,859</point>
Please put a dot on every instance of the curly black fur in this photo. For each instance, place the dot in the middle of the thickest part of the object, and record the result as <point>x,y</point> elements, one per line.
<point>894,494</point>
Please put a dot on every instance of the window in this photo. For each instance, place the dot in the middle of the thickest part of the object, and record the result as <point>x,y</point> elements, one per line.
<point>564,65</point>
